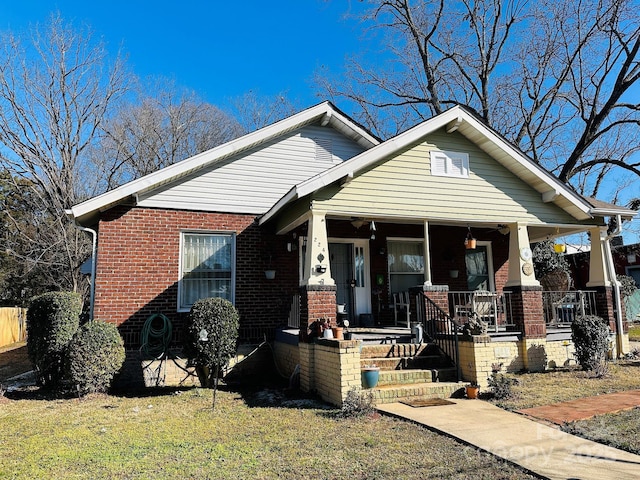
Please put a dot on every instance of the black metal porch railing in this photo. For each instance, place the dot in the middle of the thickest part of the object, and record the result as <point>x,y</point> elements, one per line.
<point>561,308</point>
<point>438,328</point>
<point>491,307</point>
<point>293,320</point>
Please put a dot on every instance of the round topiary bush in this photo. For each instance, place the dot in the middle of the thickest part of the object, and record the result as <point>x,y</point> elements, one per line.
<point>94,356</point>
<point>52,320</point>
<point>212,334</point>
<point>590,335</point>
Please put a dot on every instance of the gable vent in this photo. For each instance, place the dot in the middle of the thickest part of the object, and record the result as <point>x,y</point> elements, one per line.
<point>323,150</point>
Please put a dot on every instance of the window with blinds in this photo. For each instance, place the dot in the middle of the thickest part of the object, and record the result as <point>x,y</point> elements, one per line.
<point>449,164</point>
<point>207,267</point>
<point>406,264</point>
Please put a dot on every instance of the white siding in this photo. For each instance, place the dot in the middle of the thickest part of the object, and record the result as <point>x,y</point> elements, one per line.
<point>254,181</point>
<point>403,187</point>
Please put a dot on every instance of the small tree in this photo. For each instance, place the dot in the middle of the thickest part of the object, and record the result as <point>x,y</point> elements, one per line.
<point>590,335</point>
<point>95,354</point>
<point>212,336</point>
<point>52,320</point>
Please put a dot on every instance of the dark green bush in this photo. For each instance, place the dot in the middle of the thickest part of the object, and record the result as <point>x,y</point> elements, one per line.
<point>95,354</point>
<point>590,335</point>
<point>52,320</point>
<point>212,334</point>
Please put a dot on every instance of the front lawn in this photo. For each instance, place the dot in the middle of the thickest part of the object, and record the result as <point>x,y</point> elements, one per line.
<point>177,435</point>
<point>537,389</point>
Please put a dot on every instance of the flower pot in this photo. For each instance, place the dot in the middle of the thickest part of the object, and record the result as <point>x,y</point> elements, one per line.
<point>453,273</point>
<point>270,274</point>
<point>370,377</point>
<point>470,243</point>
<point>472,391</point>
<point>337,333</point>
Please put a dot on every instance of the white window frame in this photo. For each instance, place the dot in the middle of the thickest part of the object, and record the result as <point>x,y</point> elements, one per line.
<point>406,240</point>
<point>187,308</point>
<point>443,164</point>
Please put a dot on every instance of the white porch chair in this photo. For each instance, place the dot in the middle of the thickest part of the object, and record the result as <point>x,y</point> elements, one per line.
<point>484,304</point>
<point>401,304</point>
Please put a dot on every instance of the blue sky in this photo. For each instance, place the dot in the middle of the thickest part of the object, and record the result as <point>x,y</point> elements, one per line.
<point>220,49</point>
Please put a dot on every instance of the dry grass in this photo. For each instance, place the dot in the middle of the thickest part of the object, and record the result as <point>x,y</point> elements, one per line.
<point>619,430</point>
<point>179,436</point>
<point>537,389</point>
<point>634,333</point>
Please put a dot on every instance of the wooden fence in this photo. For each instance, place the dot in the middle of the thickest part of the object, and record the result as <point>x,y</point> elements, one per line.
<point>13,325</point>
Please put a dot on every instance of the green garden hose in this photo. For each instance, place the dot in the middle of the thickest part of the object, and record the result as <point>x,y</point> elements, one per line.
<point>156,336</point>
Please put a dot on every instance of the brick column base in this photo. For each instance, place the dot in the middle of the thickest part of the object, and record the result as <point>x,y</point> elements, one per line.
<point>316,302</point>
<point>605,307</point>
<point>527,310</point>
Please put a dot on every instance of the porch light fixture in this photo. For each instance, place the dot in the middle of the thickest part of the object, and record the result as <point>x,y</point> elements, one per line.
<point>372,227</point>
<point>469,241</point>
<point>357,222</point>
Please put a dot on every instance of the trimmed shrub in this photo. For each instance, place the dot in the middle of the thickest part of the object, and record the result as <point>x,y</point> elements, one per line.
<point>52,320</point>
<point>95,354</point>
<point>358,404</point>
<point>212,334</point>
<point>590,335</point>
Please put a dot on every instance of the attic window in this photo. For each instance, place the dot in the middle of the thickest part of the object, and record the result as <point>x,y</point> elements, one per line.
<point>449,164</point>
<point>324,149</point>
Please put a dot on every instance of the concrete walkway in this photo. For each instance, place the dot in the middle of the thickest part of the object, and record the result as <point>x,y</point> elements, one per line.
<point>539,448</point>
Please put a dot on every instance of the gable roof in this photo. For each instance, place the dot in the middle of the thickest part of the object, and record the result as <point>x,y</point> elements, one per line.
<point>324,113</point>
<point>459,119</point>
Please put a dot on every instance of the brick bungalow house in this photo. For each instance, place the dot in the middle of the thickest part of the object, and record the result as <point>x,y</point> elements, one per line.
<point>314,211</point>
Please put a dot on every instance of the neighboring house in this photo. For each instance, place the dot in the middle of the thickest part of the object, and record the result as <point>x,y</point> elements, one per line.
<point>342,218</point>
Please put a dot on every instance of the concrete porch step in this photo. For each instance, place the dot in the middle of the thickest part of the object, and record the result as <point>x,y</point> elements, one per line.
<point>419,391</point>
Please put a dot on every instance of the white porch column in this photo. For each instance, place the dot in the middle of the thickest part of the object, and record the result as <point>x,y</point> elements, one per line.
<point>598,276</point>
<point>317,269</point>
<point>427,256</point>
<point>520,258</point>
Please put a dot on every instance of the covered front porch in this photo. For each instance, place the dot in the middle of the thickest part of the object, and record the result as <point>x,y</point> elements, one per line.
<point>367,267</point>
<point>436,227</point>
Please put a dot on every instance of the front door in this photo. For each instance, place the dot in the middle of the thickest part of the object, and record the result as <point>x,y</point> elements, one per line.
<point>480,267</point>
<point>350,270</point>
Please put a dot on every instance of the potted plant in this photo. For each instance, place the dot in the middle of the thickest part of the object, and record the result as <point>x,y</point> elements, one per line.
<point>472,390</point>
<point>370,375</point>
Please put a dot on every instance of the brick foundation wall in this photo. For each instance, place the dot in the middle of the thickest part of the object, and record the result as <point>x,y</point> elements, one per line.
<point>286,356</point>
<point>137,270</point>
<point>330,368</point>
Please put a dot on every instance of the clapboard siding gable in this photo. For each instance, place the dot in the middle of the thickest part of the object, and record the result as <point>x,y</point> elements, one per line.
<point>403,186</point>
<point>253,181</point>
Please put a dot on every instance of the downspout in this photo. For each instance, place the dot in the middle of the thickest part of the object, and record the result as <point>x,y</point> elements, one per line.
<point>94,246</point>
<point>615,284</point>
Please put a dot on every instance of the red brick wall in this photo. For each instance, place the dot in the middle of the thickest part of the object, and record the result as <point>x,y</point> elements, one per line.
<point>138,263</point>
<point>316,302</point>
<point>526,308</point>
